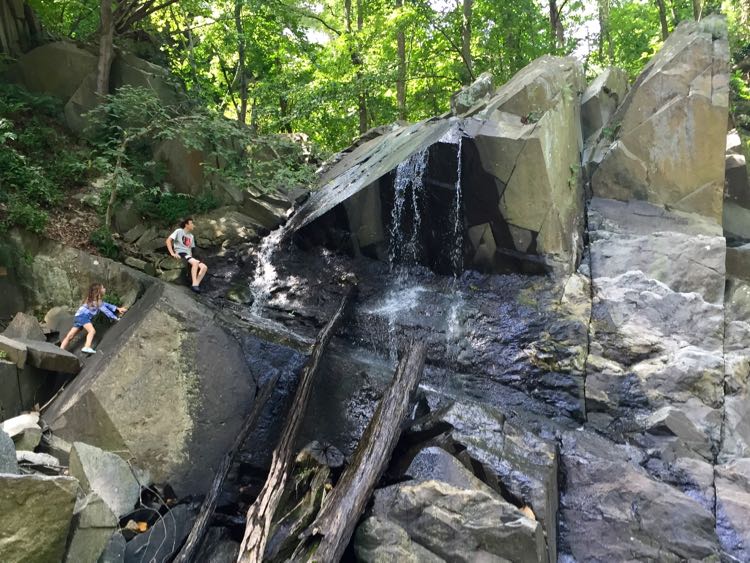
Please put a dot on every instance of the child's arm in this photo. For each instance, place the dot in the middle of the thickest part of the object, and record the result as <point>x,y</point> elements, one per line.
<point>108,309</point>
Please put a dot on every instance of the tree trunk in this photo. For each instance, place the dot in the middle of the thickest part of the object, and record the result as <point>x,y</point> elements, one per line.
<point>261,513</point>
<point>241,70</point>
<point>286,124</point>
<point>466,41</point>
<point>106,48</point>
<point>360,75</point>
<point>193,542</point>
<point>663,19</point>
<point>401,72</point>
<point>556,25</point>
<point>327,537</point>
<point>697,9</point>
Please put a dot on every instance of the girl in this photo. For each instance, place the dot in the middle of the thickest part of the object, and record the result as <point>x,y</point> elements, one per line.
<point>91,306</point>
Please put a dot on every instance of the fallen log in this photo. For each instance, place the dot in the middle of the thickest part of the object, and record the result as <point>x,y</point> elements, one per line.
<point>261,512</point>
<point>193,542</point>
<point>328,536</point>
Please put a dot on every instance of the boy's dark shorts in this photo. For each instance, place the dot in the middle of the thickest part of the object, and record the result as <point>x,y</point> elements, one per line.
<point>186,257</point>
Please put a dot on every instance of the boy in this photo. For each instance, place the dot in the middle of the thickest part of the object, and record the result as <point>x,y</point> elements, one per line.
<point>180,244</point>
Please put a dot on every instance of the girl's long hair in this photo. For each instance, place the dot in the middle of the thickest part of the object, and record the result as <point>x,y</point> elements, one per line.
<point>94,296</point>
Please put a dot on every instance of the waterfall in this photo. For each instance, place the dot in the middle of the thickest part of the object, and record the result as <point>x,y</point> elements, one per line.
<point>265,273</point>
<point>457,220</point>
<point>409,176</point>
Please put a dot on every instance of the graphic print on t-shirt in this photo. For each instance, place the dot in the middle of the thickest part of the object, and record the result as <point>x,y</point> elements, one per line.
<point>187,241</point>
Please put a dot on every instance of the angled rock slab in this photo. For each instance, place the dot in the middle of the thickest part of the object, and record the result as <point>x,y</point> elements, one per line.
<point>168,352</point>
<point>672,126</point>
<point>36,517</point>
<point>47,356</point>
<point>366,164</point>
<point>107,475</point>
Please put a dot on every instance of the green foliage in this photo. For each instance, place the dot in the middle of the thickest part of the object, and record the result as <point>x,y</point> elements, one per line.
<point>3,355</point>
<point>38,160</point>
<point>102,239</point>
<point>125,129</point>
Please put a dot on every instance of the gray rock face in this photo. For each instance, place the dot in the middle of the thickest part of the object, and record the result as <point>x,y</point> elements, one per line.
<point>682,95</point>
<point>736,437</point>
<point>378,540</point>
<point>656,335</point>
<point>601,99</point>
<point>14,351</point>
<point>478,91</point>
<point>24,326</point>
<point>458,524</point>
<point>218,547</point>
<point>106,475</point>
<point>8,463</point>
<point>224,227</point>
<point>737,188</point>
<point>166,353</point>
<point>36,516</point>
<point>612,510</point>
<point>732,500</point>
<point>435,464</point>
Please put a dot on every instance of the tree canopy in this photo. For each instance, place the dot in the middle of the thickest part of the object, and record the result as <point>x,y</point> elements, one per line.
<point>334,68</point>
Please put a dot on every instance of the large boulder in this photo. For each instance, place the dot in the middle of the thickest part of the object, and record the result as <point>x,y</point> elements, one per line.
<point>56,69</point>
<point>36,513</point>
<point>672,126</point>
<point>454,524</point>
<point>511,459</point>
<point>166,353</point>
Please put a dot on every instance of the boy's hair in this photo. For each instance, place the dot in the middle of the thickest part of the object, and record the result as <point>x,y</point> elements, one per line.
<point>94,295</point>
<point>185,221</point>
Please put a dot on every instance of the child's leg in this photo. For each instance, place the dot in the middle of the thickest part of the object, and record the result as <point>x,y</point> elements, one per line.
<point>194,270</point>
<point>202,269</point>
<point>68,337</point>
<point>90,332</point>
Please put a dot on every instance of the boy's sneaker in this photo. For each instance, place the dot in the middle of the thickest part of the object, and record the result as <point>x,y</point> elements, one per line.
<point>195,288</point>
<point>87,350</point>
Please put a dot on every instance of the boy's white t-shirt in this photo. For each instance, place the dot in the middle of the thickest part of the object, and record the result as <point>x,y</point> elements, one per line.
<point>183,242</point>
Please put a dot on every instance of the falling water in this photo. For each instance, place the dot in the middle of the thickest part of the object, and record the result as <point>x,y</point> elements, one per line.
<point>457,219</point>
<point>409,176</point>
<point>265,272</point>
